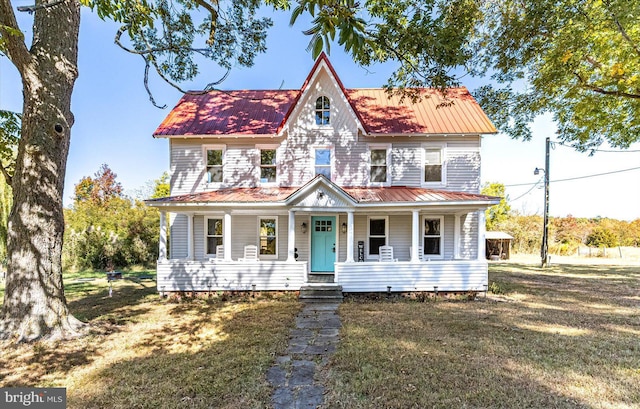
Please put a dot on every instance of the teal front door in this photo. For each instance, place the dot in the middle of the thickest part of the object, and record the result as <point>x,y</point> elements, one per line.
<point>323,244</point>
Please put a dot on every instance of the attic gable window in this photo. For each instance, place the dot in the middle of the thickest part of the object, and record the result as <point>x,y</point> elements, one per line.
<point>323,108</point>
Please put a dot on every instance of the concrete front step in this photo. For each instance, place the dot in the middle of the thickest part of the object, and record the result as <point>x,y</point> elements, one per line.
<point>321,291</point>
<point>320,278</point>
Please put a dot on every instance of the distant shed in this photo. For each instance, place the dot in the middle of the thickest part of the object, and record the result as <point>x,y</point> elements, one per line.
<point>498,245</point>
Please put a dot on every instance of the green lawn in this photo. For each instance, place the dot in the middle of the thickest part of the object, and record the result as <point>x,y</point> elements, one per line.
<point>565,337</point>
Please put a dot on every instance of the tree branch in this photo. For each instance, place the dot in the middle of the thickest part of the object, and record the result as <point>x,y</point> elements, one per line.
<point>7,177</point>
<point>621,29</point>
<point>600,90</point>
<point>11,38</point>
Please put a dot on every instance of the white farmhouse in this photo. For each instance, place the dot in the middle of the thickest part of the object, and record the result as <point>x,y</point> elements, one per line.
<point>274,189</point>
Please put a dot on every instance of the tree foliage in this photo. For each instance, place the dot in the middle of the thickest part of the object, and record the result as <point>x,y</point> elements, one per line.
<point>105,230</point>
<point>99,189</point>
<point>576,59</point>
<point>497,214</point>
<point>161,186</point>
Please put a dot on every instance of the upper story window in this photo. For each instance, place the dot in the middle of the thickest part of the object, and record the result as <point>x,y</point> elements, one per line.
<point>323,110</point>
<point>433,165</point>
<point>268,165</point>
<point>379,160</point>
<point>322,162</point>
<point>432,239</point>
<point>214,160</point>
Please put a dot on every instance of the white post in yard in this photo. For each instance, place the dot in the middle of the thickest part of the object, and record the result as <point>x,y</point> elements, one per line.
<point>162,245</point>
<point>190,236</point>
<point>226,236</point>
<point>291,245</point>
<point>415,235</point>
<point>350,235</point>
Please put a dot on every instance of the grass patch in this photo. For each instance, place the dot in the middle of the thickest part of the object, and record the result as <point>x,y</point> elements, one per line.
<point>143,352</point>
<point>562,337</point>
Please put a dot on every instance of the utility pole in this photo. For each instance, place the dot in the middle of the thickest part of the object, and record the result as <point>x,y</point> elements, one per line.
<point>544,251</point>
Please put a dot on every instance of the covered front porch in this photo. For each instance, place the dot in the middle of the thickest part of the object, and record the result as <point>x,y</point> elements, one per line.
<point>321,229</point>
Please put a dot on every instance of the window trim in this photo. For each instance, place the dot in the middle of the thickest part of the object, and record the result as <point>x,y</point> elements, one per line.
<point>379,146</point>
<point>206,148</point>
<point>386,235</point>
<point>259,165</point>
<point>422,231</point>
<point>322,110</point>
<point>267,256</point>
<point>206,233</point>
<point>443,162</point>
<point>316,148</point>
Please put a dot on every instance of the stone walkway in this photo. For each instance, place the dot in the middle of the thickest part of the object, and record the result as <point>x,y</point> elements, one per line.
<point>310,344</point>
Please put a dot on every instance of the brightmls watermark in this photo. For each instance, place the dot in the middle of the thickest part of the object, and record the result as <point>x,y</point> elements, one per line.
<point>39,398</point>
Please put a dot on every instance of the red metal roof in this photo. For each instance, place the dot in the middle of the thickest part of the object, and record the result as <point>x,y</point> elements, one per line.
<point>264,112</point>
<point>361,195</point>
<point>458,113</point>
<point>232,195</point>
<point>257,112</point>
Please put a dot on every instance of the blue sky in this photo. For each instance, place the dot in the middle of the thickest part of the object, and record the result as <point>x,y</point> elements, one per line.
<point>115,121</point>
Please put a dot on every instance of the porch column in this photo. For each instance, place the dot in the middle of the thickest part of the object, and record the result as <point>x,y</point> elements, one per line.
<point>226,236</point>
<point>350,229</point>
<point>456,236</point>
<point>162,245</point>
<point>291,245</point>
<point>190,236</point>
<point>481,235</point>
<point>415,236</point>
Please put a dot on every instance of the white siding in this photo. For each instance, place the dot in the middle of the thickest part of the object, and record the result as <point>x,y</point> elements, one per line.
<point>178,275</point>
<point>406,162</point>
<point>469,236</point>
<point>404,276</point>
<point>463,170</point>
<point>350,158</point>
<point>400,236</point>
<point>178,236</point>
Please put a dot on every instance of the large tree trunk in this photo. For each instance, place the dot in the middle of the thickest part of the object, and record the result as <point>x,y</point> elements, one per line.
<point>34,304</point>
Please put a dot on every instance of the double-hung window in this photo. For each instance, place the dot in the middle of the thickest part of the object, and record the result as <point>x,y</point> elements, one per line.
<point>432,236</point>
<point>379,159</point>
<point>323,111</point>
<point>214,161</point>
<point>433,165</point>
<point>268,165</point>
<point>213,233</point>
<point>377,234</point>
<point>322,161</point>
<point>268,236</point>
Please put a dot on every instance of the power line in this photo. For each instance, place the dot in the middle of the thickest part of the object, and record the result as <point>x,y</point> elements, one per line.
<point>576,177</point>
<point>527,192</point>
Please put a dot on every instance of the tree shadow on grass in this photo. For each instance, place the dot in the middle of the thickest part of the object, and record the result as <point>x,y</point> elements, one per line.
<point>212,355</point>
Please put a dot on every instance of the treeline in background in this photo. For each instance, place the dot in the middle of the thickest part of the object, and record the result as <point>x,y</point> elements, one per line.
<point>567,235</point>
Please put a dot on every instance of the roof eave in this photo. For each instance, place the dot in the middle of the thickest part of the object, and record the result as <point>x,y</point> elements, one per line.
<point>218,136</point>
